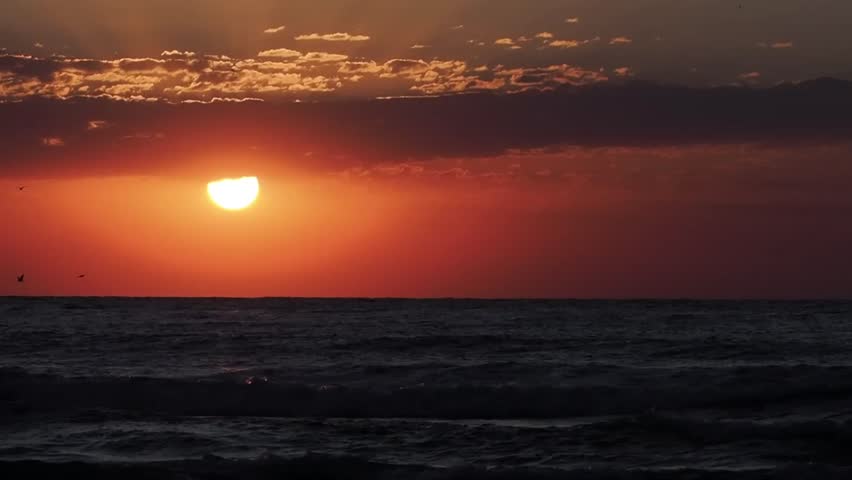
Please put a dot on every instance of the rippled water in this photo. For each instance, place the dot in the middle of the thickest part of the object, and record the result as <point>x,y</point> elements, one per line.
<point>192,387</point>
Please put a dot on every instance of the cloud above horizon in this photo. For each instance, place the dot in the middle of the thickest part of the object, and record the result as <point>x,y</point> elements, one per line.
<point>277,29</point>
<point>333,37</point>
<point>150,136</point>
<point>274,74</point>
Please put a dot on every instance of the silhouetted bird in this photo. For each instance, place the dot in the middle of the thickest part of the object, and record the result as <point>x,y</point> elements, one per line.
<point>21,188</point>
<point>81,275</point>
<point>21,278</point>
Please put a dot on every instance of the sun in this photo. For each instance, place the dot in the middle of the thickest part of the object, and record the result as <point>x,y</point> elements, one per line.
<point>234,193</point>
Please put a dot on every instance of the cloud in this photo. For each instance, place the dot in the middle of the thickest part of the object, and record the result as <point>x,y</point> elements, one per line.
<point>775,45</point>
<point>323,57</point>
<point>419,46</point>
<point>569,43</point>
<point>510,43</point>
<point>623,72</point>
<point>621,41</point>
<point>422,129</point>
<point>334,37</point>
<point>457,27</point>
<point>544,35</point>
<point>52,142</point>
<point>280,53</point>
<point>549,77</point>
<point>572,20</point>
<point>750,75</point>
<point>275,29</point>
<point>97,125</point>
<point>38,45</point>
<point>177,54</point>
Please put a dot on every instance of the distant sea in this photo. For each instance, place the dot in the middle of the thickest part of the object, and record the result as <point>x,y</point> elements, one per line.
<point>304,388</point>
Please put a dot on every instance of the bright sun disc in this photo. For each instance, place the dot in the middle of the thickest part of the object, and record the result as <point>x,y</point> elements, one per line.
<point>233,193</point>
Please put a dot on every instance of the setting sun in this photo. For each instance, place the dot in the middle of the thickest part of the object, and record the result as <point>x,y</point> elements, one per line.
<point>233,193</point>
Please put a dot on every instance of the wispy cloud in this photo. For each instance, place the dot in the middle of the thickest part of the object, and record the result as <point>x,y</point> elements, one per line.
<point>544,35</point>
<point>280,53</point>
<point>177,53</point>
<point>52,142</point>
<point>749,76</point>
<point>570,43</point>
<point>623,72</point>
<point>419,46</point>
<point>572,20</point>
<point>275,29</point>
<point>621,41</point>
<point>38,45</point>
<point>334,37</point>
<point>509,43</point>
<point>97,125</point>
<point>775,45</point>
<point>457,27</point>
<point>565,43</point>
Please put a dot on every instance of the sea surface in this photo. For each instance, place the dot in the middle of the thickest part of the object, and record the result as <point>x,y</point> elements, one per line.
<point>316,388</point>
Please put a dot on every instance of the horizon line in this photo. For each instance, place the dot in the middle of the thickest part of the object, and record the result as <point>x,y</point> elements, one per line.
<point>439,298</point>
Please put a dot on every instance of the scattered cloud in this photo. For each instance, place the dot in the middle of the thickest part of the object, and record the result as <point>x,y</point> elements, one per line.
<point>277,29</point>
<point>750,76</point>
<point>323,57</point>
<point>775,45</point>
<point>280,53</point>
<point>177,53</point>
<point>97,125</point>
<point>510,43</point>
<point>334,37</point>
<point>419,46</point>
<point>568,43</point>
<point>38,45</point>
<point>621,41</point>
<point>572,20</point>
<point>544,35</point>
<point>181,76</point>
<point>52,142</point>
<point>623,72</point>
<point>457,27</point>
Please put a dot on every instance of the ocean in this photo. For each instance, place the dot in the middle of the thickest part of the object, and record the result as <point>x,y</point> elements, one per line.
<point>375,388</point>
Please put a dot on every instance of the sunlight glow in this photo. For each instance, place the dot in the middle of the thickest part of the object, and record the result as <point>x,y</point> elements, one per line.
<point>234,193</point>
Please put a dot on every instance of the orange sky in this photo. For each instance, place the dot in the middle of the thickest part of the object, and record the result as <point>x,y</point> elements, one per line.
<point>466,148</point>
<point>410,233</point>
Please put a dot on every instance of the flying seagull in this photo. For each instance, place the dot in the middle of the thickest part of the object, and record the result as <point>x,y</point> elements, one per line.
<point>21,278</point>
<point>21,188</point>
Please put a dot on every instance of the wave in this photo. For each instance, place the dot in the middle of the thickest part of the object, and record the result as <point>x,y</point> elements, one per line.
<point>245,394</point>
<point>333,467</point>
<point>809,438</point>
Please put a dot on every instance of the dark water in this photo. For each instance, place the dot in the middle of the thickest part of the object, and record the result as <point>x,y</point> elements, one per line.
<point>174,388</point>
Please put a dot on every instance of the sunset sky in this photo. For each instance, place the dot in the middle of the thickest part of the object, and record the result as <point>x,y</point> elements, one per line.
<point>488,148</point>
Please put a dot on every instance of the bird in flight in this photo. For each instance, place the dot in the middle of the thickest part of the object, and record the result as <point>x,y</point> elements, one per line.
<point>82,275</point>
<point>21,188</point>
<point>21,278</point>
